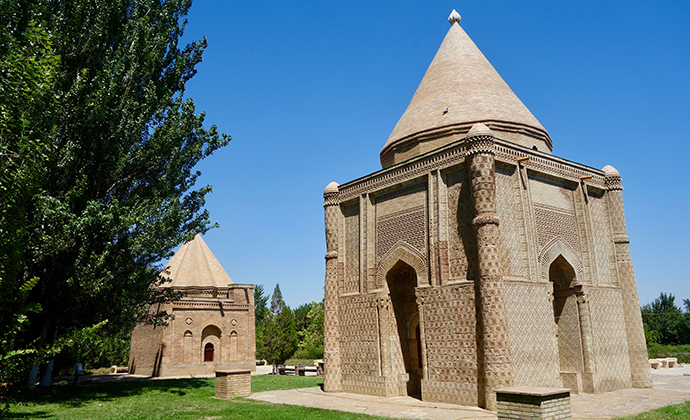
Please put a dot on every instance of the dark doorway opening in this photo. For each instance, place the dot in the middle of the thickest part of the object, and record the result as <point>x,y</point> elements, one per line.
<point>567,319</point>
<point>208,352</point>
<point>402,280</point>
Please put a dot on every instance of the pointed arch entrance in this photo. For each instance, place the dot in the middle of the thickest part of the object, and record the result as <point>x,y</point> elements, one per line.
<point>401,280</point>
<point>573,330</point>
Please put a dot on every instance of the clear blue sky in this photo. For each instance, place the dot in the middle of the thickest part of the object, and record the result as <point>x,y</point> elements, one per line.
<point>310,92</point>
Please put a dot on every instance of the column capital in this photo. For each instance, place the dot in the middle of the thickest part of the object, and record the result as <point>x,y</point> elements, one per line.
<point>330,194</point>
<point>480,140</point>
<point>612,178</point>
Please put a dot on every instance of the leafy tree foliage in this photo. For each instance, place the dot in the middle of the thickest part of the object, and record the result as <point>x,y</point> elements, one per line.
<point>665,323</point>
<point>97,150</point>
<point>310,331</point>
<point>261,312</point>
<point>278,340</point>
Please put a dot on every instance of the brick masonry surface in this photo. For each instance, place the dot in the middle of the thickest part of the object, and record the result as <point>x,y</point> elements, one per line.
<point>233,383</point>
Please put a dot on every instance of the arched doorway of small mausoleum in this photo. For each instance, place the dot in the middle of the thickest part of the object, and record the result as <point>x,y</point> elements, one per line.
<point>211,350</point>
<point>402,280</point>
<point>208,352</point>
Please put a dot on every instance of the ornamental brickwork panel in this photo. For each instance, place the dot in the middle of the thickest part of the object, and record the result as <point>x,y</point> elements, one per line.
<point>532,334</point>
<point>451,348</point>
<point>351,280</point>
<point>556,223</point>
<point>408,226</point>
<point>514,257</point>
<point>610,341</point>
<point>359,338</point>
<point>401,216</point>
<point>462,260</point>
<point>603,241</point>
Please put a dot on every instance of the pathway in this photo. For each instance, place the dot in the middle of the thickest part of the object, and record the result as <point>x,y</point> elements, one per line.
<point>671,386</point>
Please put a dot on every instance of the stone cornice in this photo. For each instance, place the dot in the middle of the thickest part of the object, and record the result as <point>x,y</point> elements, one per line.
<point>462,129</point>
<point>210,305</point>
<point>455,153</point>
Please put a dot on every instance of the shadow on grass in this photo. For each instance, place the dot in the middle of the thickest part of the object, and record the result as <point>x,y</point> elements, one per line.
<point>88,392</point>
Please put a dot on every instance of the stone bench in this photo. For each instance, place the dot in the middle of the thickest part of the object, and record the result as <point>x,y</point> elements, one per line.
<point>672,362</point>
<point>233,383</point>
<point>533,403</point>
<point>655,363</point>
<point>302,370</point>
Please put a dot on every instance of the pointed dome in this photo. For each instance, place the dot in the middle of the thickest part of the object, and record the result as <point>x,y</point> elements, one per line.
<point>195,265</point>
<point>461,88</point>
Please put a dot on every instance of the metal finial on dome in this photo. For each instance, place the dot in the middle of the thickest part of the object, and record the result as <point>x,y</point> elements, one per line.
<point>454,17</point>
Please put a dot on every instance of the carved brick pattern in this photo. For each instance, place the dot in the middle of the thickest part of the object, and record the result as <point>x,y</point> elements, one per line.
<point>462,246</point>
<point>392,176</point>
<point>483,183</point>
<point>358,336</point>
<point>464,393</point>
<point>351,280</point>
<point>603,242</point>
<point>455,153</point>
<point>532,335</point>
<point>552,165</point>
<point>450,333</point>
<point>514,259</point>
<point>407,226</point>
<point>554,223</point>
<point>610,341</point>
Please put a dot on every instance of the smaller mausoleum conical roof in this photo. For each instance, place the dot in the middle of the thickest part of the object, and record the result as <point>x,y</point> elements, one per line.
<point>194,265</point>
<point>461,88</point>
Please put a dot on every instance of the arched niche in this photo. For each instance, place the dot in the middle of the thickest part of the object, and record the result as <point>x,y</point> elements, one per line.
<point>211,334</point>
<point>555,248</point>
<point>234,347</point>
<point>406,254</point>
<point>187,346</point>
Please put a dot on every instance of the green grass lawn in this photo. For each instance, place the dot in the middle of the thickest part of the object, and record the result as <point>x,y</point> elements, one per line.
<point>670,412</point>
<point>169,399</point>
<point>193,399</point>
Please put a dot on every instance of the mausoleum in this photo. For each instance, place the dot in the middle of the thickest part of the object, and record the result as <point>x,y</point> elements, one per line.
<point>212,327</point>
<point>476,259</point>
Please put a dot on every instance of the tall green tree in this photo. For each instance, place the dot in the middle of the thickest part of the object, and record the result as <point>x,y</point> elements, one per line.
<point>95,126</point>
<point>665,322</point>
<point>279,340</point>
<point>277,303</point>
<point>261,312</point>
<point>310,332</point>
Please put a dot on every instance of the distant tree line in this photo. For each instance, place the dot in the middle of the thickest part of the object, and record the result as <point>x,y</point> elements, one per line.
<point>283,333</point>
<point>665,323</point>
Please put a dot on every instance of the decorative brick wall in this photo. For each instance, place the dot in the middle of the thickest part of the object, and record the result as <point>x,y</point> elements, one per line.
<point>527,403</point>
<point>233,383</point>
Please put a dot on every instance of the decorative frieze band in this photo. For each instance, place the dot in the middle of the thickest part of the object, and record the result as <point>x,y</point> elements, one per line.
<point>453,154</point>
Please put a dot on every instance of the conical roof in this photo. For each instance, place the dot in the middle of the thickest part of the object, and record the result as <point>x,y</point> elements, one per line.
<point>195,265</point>
<point>461,87</point>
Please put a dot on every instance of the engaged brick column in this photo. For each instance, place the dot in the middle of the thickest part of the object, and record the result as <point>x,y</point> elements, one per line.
<point>331,346</point>
<point>233,383</point>
<point>493,346</point>
<point>639,361</point>
<point>533,403</point>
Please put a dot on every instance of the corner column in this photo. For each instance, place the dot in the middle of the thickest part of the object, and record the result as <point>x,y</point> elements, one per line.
<point>637,348</point>
<point>587,342</point>
<point>332,379</point>
<point>493,347</point>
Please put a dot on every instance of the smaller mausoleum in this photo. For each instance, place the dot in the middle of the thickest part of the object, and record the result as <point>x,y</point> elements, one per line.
<point>212,326</point>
